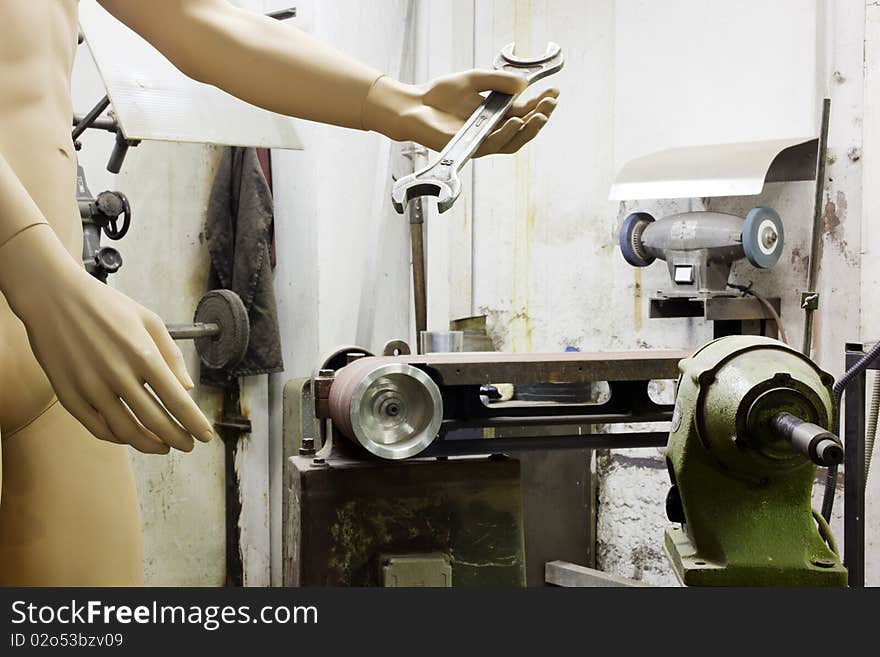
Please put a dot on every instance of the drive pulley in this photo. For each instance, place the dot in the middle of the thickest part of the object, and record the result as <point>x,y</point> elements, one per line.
<point>392,409</point>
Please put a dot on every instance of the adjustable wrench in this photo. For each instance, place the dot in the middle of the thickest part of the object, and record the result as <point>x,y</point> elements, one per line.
<point>440,178</point>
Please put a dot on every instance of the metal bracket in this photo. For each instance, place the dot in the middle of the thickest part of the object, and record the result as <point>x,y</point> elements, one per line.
<point>810,300</point>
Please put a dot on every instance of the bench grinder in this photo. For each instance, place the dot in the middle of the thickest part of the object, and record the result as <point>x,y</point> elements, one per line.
<point>701,247</point>
<point>748,430</point>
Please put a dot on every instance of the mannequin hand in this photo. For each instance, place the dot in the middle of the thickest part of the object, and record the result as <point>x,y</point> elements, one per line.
<point>432,114</point>
<point>100,350</point>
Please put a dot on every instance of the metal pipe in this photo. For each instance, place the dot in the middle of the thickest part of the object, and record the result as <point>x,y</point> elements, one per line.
<point>810,302</point>
<point>420,289</point>
<point>820,446</point>
<point>90,118</point>
<point>120,150</point>
<point>108,125</point>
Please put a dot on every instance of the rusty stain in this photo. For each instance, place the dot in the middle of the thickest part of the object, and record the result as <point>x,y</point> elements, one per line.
<point>800,261</point>
<point>833,219</point>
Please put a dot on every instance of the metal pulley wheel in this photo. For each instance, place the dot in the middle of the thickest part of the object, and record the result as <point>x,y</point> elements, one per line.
<point>224,347</point>
<point>763,237</point>
<point>393,410</point>
<point>631,239</point>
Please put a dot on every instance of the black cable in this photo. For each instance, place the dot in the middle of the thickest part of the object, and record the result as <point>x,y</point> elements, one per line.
<point>839,389</point>
<point>747,291</point>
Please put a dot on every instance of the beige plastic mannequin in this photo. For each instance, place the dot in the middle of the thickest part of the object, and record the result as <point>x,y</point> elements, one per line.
<point>69,511</point>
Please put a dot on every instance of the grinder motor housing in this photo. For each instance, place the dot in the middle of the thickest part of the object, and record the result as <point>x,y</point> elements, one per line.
<point>701,247</point>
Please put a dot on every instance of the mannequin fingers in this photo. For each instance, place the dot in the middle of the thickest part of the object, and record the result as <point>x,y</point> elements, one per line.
<point>500,137</point>
<point>487,80</point>
<point>524,107</point>
<point>521,108</point>
<point>546,107</point>
<point>171,353</point>
<point>153,416</point>
<point>528,132</point>
<point>180,405</point>
<point>83,411</point>
<point>127,429</point>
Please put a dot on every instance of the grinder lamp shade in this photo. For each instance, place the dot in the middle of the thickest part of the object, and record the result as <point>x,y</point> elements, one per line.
<point>393,410</point>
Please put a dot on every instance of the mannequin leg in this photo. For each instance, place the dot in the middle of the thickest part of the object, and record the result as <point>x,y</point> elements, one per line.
<point>69,514</point>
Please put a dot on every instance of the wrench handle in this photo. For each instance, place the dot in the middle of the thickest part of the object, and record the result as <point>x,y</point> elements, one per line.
<point>472,134</point>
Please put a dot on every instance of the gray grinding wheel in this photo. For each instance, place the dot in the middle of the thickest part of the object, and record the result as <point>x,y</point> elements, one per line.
<point>763,237</point>
<point>226,350</point>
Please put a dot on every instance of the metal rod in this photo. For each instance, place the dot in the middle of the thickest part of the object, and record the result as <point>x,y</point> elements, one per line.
<point>854,475</point>
<point>108,125</point>
<point>811,296</point>
<point>192,331</point>
<point>420,290</point>
<point>587,418</point>
<point>531,443</point>
<point>90,118</point>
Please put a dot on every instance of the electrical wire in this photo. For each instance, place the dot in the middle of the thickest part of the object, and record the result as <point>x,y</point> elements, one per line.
<point>747,290</point>
<point>825,531</point>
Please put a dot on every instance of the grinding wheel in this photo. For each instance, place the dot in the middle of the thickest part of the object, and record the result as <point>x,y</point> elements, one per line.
<point>393,410</point>
<point>631,239</point>
<point>763,237</point>
<point>226,349</point>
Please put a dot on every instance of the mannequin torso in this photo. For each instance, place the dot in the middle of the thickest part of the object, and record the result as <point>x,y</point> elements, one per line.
<point>35,126</point>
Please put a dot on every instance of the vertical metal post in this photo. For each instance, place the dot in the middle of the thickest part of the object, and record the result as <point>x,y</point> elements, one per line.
<point>810,298</point>
<point>415,209</point>
<point>854,473</point>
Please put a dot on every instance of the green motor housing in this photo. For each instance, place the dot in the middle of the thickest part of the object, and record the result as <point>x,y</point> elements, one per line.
<point>740,489</point>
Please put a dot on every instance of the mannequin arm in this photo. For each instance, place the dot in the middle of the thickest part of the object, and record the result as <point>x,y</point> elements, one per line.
<point>96,346</point>
<point>285,70</point>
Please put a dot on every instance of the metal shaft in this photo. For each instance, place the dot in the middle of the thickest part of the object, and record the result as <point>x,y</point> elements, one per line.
<point>192,331</point>
<point>820,446</point>
<point>420,288</point>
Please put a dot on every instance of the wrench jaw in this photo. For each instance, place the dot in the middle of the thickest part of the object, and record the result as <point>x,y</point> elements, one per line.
<point>409,188</point>
<point>532,68</point>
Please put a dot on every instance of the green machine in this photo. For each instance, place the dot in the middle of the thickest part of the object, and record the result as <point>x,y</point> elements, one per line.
<point>750,426</point>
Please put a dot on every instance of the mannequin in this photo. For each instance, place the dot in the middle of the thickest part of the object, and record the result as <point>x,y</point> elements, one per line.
<point>85,371</point>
